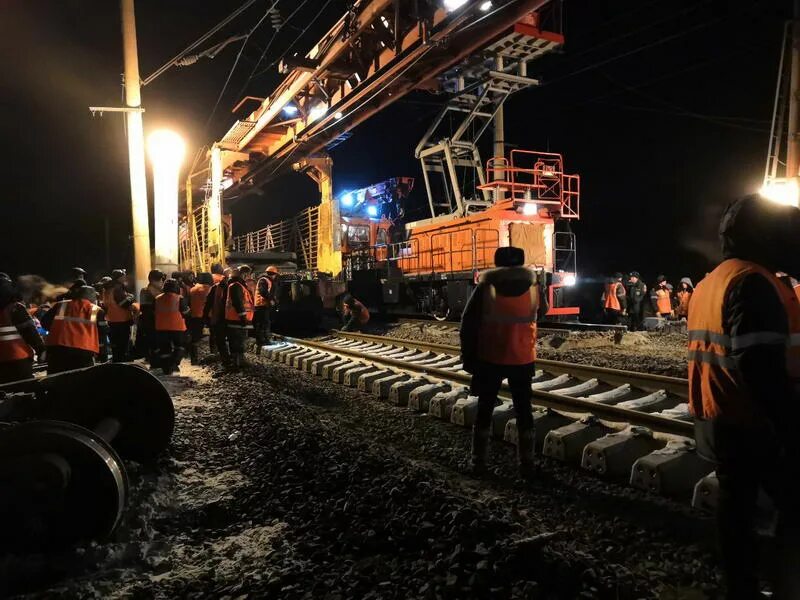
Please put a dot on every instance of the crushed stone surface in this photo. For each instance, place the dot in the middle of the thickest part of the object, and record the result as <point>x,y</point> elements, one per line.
<point>647,352</point>
<point>279,484</point>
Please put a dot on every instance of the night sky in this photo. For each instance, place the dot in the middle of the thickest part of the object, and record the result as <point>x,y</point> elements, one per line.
<point>663,107</point>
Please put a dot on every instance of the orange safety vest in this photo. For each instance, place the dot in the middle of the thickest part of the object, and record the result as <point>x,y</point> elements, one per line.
<point>230,312</point>
<point>683,302</point>
<point>197,299</point>
<point>75,326</point>
<point>261,300</point>
<point>114,312</point>
<point>663,302</point>
<point>715,386</point>
<point>612,301</point>
<point>168,312</point>
<point>12,346</point>
<point>508,327</point>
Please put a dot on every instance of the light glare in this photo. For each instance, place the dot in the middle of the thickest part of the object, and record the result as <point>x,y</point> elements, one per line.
<point>486,6</point>
<point>290,110</point>
<point>347,199</point>
<point>529,209</point>
<point>569,280</point>
<point>452,5</point>
<point>319,111</point>
<point>781,191</point>
<point>372,210</point>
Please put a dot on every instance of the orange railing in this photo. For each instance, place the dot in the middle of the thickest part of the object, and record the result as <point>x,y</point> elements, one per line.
<point>538,177</point>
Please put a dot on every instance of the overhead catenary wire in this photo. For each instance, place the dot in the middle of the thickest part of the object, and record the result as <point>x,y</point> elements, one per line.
<point>170,63</point>
<point>236,62</point>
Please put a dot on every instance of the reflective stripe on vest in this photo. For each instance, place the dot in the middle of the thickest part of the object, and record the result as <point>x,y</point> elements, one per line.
<point>168,312</point>
<point>508,327</point>
<point>261,300</point>
<point>663,303</point>
<point>12,346</point>
<point>715,386</point>
<point>197,299</point>
<point>75,326</point>
<point>247,300</point>
<point>612,302</point>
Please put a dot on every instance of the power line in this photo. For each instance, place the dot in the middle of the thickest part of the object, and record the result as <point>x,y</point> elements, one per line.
<point>236,62</point>
<point>300,35</point>
<point>272,39</point>
<point>166,66</point>
<point>692,115</point>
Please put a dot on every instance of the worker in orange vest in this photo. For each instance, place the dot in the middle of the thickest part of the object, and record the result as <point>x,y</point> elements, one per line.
<point>19,339</point>
<point>744,387</point>
<point>354,313</point>
<point>214,317</point>
<point>171,310</point>
<point>238,317</point>
<point>146,342</point>
<point>264,301</point>
<point>614,300</point>
<point>197,301</point>
<point>682,297</point>
<point>661,298</point>
<point>498,341</point>
<point>118,304</point>
<point>77,332</point>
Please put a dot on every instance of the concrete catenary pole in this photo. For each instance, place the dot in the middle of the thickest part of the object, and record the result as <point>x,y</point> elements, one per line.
<point>793,140</point>
<point>133,99</point>
<point>499,139</point>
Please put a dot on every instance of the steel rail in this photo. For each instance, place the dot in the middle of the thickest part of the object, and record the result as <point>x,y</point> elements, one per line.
<point>546,399</point>
<point>644,381</point>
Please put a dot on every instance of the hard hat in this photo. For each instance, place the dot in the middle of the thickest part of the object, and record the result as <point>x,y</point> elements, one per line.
<point>660,279</point>
<point>205,278</point>
<point>85,292</point>
<point>272,269</point>
<point>117,274</point>
<point>245,269</point>
<point>156,275</point>
<point>5,277</point>
<point>78,272</point>
<point>618,275</point>
<point>634,274</point>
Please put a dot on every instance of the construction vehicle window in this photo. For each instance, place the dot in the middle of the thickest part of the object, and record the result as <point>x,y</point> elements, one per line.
<point>358,234</point>
<point>381,241</point>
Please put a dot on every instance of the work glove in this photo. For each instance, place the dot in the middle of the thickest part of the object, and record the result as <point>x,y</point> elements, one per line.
<point>244,322</point>
<point>41,358</point>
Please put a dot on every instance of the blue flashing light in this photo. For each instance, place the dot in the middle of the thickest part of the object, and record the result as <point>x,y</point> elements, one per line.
<point>347,199</point>
<point>290,110</point>
<point>372,210</point>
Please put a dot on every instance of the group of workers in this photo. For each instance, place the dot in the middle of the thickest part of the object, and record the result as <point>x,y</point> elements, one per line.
<point>626,297</point>
<point>170,315</point>
<point>743,370</point>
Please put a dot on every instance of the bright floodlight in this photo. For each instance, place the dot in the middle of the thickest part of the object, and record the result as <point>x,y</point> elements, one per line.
<point>338,115</point>
<point>782,191</point>
<point>319,111</point>
<point>486,6</point>
<point>569,280</point>
<point>166,150</point>
<point>372,210</point>
<point>529,209</point>
<point>452,5</point>
<point>290,110</point>
<point>347,199</point>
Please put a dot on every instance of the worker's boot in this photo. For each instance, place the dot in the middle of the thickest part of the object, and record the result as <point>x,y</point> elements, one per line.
<point>527,468</point>
<point>194,354</point>
<point>480,449</point>
<point>177,357</point>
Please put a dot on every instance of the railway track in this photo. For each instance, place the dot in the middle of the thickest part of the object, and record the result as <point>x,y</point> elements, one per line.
<point>617,424</point>
<point>543,329</point>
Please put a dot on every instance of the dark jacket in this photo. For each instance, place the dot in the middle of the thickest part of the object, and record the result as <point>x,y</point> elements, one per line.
<point>22,320</point>
<point>637,292</point>
<point>507,281</point>
<point>208,309</point>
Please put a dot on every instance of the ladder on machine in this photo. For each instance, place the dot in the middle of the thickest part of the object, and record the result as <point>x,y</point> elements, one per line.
<point>479,87</point>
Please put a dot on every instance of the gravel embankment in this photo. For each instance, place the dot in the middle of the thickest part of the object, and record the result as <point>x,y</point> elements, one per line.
<point>659,353</point>
<point>282,485</point>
